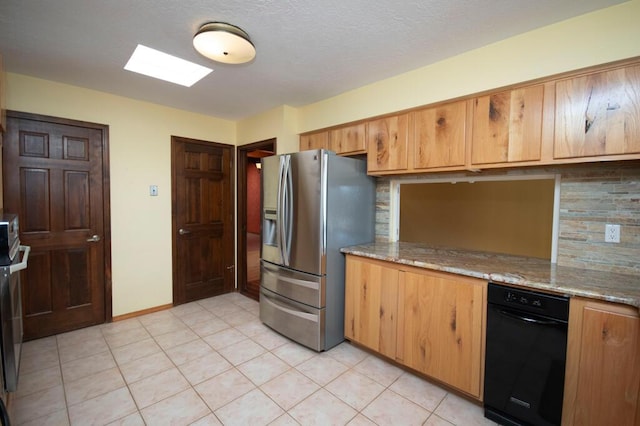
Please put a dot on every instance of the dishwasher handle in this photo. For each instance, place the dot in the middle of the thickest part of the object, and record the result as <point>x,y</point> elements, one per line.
<point>531,318</point>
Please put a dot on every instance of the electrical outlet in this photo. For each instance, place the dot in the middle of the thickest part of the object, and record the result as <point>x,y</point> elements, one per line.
<point>153,190</point>
<point>611,233</point>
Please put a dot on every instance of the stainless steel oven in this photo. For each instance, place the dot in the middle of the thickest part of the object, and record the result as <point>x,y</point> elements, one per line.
<point>11,263</point>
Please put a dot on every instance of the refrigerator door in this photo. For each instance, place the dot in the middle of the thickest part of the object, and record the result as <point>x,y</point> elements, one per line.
<point>294,210</point>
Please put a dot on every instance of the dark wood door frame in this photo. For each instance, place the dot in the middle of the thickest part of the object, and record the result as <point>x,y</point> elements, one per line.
<point>241,231</point>
<point>106,194</point>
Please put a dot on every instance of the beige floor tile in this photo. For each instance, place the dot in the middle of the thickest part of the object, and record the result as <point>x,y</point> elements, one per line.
<point>115,340</point>
<point>89,387</point>
<point>361,420</point>
<point>269,339</point>
<point>187,309</point>
<point>284,420</point>
<point>224,338</point>
<point>38,361</point>
<point>201,369</point>
<point>59,418</point>
<point>263,368</point>
<point>391,408</point>
<point>322,369</point>
<point>293,353</point>
<point>38,380</point>
<point>181,409</point>
<point>134,419</point>
<point>347,354</point>
<point>332,410</point>
<point>117,327</point>
<point>242,351</point>
<point>155,317</point>
<point>164,326</point>
<point>175,338</point>
<point>78,337</point>
<point>103,409</point>
<point>195,349</point>
<point>252,328</point>
<point>145,367</point>
<point>136,350</point>
<point>238,318</point>
<point>224,388</point>
<point>210,420</point>
<point>434,420</point>
<point>253,408</point>
<point>81,349</point>
<point>38,404</point>
<point>198,317</point>
<point>224,309</point>
<point>155,388</point>
<point>459,411</point>
<point>209,327</point>
<point>79,368</point>
<point>355,389</point>
<point>420,391</point>
<point>289,388</point>
<point>378,370</point>
<point>39,346</point>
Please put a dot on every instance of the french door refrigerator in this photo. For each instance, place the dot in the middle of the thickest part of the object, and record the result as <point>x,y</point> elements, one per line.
<point>313,203</point>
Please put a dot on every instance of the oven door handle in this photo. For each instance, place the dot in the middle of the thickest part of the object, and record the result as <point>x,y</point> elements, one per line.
<point>23,264</point>
<point>530,319</point>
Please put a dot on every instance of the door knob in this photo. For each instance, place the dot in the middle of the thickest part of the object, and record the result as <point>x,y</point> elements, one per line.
<point>94,239</point>
<point>183,231</point>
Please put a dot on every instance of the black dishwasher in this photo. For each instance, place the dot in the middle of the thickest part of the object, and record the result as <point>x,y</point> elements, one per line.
<point>525,356</point>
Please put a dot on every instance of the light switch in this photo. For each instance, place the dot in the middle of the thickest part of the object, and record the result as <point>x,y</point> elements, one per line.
<point>153,190</point>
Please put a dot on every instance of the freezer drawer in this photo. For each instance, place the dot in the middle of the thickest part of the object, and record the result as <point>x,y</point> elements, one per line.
<point>301,323</point>
<point>301,287</point>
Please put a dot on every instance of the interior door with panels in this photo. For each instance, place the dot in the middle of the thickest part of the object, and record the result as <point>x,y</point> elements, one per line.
<point>56,179</point>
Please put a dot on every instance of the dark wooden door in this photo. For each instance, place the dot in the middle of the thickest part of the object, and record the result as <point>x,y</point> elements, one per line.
<point>56,179</point>
<point>203,223</point>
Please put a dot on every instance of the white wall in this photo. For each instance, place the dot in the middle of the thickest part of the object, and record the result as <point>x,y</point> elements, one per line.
<point>140,155</point>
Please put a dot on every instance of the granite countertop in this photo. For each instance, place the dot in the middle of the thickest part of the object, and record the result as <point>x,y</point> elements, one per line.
<point>517,270</point>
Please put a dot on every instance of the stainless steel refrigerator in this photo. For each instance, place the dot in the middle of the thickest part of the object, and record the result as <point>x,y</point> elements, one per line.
<point>314,202</point>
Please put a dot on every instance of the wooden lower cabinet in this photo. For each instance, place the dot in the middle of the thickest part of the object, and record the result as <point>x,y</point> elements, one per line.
<point>371,304</point>
<point>440,325</point>
<point>602,383</point>
<point>429,321</point>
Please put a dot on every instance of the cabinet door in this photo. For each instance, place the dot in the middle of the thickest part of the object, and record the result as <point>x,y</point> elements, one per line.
<point>348,140</point>
<point>318,140</point>
<point>598,114</point>
<point>439,136</point>
<point>507,126</point>
<point>441,328</point>
<point>603,365</point>
<point>371,302</point>
<point>387,140</point>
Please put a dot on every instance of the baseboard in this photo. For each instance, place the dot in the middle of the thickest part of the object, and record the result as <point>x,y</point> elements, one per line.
<point>142,312</point>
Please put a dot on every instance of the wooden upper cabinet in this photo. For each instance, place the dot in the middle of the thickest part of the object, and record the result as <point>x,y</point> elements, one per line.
<point>602,383</point>
<point>319,140</point>
<point>348,140</point>
<point>598,114</point>
<point>439,136</point>
<point>507,126</point>
<point>387,143</point>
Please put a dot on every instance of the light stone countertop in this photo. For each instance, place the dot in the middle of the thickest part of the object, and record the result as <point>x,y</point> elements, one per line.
<point>517,270</point>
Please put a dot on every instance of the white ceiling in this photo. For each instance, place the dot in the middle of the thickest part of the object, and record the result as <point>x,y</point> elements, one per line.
<point>307,50</point>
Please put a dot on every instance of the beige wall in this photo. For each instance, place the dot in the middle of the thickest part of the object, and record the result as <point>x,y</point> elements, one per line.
<point>595,38</point>
<point>140,132</point>
<point>140,155</point>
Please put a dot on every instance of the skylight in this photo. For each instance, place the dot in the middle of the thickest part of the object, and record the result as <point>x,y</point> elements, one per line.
<point>156,64</point>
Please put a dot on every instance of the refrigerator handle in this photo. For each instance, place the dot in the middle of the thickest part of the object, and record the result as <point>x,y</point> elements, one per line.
<point>289,212</point>
<point>279,209</point>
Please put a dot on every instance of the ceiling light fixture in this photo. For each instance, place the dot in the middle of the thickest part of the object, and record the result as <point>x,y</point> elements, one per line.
<point>224,43</point>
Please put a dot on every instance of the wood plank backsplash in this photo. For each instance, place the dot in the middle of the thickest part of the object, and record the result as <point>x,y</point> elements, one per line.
<point>591,195</point>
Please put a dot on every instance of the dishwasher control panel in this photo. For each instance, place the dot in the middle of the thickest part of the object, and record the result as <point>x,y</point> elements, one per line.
<point>530,301</point>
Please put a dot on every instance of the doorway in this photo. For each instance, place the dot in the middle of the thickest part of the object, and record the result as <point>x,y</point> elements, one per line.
<point>56,178</point>
<point>249,223</point>
<point>202,219</point>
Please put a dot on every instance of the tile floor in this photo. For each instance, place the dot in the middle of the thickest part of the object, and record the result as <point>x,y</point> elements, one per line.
<point>213,362</point>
